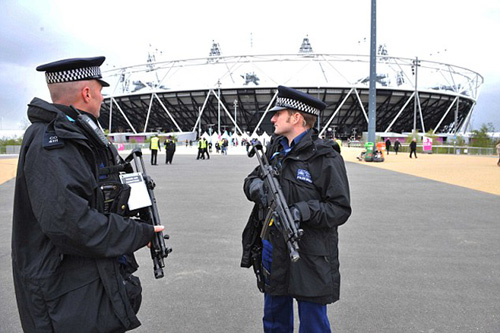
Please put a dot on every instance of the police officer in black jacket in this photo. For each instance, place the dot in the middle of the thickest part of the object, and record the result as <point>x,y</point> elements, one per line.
<point>72,254</point>
<point>314,181</point>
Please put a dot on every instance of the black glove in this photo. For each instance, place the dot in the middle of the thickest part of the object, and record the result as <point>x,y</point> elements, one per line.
<point>257,192</point>
<point>296,215</point>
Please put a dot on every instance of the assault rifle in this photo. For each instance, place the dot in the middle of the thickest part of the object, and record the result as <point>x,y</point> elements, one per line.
<point>144,204</point>
<point>278,211</point>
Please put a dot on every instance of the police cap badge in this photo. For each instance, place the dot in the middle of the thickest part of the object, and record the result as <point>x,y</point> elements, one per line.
<point>74,69</point>
<point>292,99</point>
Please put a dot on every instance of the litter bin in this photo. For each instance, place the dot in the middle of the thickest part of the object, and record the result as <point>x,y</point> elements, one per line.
<point>379,154</point>
<point>369,151</point>
<point>381,147</point>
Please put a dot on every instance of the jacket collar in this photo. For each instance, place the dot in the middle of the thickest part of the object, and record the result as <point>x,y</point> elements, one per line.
<point>309,145</point>
<point>56,117</point>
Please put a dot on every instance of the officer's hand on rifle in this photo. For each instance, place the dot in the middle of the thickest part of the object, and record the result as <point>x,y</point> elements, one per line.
<point>257,192</point>
<point>297,216</point>
<point>158,228</point>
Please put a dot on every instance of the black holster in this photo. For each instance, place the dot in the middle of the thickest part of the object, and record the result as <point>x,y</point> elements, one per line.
<point>116,197</point>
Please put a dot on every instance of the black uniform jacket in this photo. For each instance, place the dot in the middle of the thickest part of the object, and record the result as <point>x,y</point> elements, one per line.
<point>313,178</point>
<point>64,250</point>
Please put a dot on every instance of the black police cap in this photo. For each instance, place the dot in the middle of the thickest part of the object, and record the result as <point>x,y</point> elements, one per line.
<point>292,99</point>
<point>74,69</point>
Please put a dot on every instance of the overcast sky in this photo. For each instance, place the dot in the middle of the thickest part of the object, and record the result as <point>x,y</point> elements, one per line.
<point>33,32</point>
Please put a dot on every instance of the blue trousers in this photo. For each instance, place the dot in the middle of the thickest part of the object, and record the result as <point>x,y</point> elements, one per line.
<point>278,310</point>
<point>278,316</point>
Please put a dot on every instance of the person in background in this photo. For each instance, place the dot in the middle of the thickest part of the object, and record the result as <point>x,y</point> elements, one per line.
<point>72,253</point>
<point>413,147</point>
<point>498,152</point>
<point>154,146</point>
<point>224,145</point>
<point>169,149</point>
<point>202,145</point>
<point>387,145</point>
<point>397,144</point>
<point>206,144</point>
<point>339,143</point>
<point>313,178</point>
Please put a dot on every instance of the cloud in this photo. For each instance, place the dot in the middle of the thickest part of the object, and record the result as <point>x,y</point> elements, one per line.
<point>35,32</point>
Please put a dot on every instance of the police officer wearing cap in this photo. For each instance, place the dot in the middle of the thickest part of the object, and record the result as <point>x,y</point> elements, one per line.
<point>72,255</point>
<point>313,178</point>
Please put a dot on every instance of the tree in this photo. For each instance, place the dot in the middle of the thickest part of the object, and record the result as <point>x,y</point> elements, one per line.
<point>480,137</point>
<point>409,138</point>
<point>430,134</point>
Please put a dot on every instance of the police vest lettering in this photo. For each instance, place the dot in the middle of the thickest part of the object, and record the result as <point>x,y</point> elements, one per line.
<point>304,175</point>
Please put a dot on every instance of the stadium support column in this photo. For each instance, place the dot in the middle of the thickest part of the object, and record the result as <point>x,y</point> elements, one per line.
<point>218,108</point>
<point>372,98</point>
<point>199,123</point>
<point>235,108</point>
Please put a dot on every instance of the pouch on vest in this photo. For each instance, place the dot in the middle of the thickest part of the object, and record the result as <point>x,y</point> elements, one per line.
<point>116,196</point>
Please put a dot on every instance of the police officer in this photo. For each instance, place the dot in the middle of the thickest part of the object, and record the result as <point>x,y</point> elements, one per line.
<point>202,147</point>
<point>206,145</point>
<point>314,182</point>
<point>154,146</point>
<point>169,149</point>
<point>72,260</point>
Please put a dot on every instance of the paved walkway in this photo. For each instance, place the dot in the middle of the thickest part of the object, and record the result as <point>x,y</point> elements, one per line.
<point>416,255</point>
<point>7,169</point>
<point>474,172</point>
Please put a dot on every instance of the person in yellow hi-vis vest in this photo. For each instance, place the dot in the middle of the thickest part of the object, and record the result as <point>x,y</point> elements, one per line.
<point>154,146</point>
<point>202,147</point>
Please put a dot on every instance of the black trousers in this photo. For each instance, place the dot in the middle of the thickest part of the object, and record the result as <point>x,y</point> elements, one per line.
<point>154,155</point>
<point>170,156</point>
<point>201,154</point>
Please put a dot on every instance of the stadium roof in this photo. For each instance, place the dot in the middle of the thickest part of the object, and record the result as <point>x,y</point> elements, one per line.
<point>235,92</point>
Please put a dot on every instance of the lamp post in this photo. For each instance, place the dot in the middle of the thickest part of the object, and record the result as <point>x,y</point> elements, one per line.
<point>372,95</point>
<point>414,69</point>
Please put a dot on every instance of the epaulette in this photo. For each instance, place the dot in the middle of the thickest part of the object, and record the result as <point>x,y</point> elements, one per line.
<point>51,140</point>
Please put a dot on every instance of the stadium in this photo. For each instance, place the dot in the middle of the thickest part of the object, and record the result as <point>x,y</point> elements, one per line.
<point>232,94</point>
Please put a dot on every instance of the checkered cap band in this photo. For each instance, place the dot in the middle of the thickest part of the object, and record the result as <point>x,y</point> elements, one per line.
<point>296,105</point>
<point>78,74</point>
